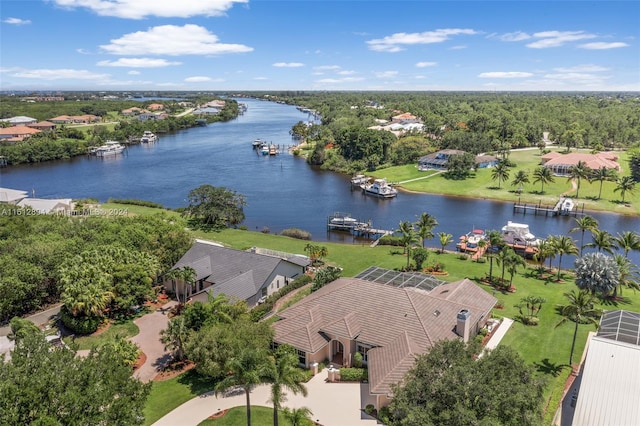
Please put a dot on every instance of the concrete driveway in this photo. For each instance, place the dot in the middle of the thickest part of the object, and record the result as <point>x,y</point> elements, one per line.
<point>148,340</point>
<point>332,404</point>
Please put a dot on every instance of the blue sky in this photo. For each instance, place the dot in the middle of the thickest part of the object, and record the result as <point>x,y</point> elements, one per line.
<point>137,45</point>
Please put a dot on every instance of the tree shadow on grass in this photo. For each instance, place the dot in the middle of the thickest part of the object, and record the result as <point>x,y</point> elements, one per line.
<point>547,367</point>
<point>611,301</point>
<point>198,383</point>
<point>493,188</point>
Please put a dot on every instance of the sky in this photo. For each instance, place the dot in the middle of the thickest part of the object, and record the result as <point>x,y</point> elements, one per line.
<point>226,45</point>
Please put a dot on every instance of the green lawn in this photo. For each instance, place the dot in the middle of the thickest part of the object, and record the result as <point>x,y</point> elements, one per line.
<point>169,394</point>
<point>126,329</point>
<point>237,416</point>
<point>480,185</point>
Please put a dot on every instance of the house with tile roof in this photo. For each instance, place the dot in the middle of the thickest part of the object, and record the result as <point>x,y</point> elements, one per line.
<point>561,163</point>
<point>389,326</point>
<point>45,126</point>
<point>243,275</point>
<point>16,133</point>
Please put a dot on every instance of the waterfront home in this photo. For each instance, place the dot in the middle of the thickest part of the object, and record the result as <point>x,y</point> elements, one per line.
<point>16,133</point>
<point>19,120</point>
<point>244,275</point>
<point>130,112</point>
<point>12,196</point>
<point>45,126</point>
<point>75,119</point>
<point>47,206</point>
<point>609,383</point>
<point>561,163</point>
<point>155,107</point>
<point>438,160</point>
<point>388,324</point>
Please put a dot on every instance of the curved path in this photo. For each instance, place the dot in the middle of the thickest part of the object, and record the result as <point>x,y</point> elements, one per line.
<point>332,404</point>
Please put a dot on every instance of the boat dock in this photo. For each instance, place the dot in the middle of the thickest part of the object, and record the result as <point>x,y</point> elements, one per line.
<point>344,222</point>
<point>547,210</point>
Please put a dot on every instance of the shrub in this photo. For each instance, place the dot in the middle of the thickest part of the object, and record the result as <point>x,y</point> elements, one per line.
<point>384,415</point>
<point>482,260</point>
<point>142,203</point>
<point>79,324</point>
<point>370,409</point>
<point>296,233</point>
<point>390,240</point>
<point>266,230</point>
<point>243,227</point>
<point>357,360</point>
<point>483,332</point>
<point>499,304</point>
<point>353,374</point>
<point>463,256</point>
<point>530,320</point>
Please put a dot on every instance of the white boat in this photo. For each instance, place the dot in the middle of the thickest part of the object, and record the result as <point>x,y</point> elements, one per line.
<point>566,206</point>
<point>474,237</point>
<point>344,221</point>
<point>257,143</point>
<point>379,188</point>
<point>264,149</point>
<point>148,137</point>
<point>108,149</point>
<point>359,180</point>
<point>519,234</point>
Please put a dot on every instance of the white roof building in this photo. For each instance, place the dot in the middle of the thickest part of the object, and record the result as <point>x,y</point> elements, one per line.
<point>45,206</point>
<point>12,196</point>
<point>20,120</point>
<point>609,393</point>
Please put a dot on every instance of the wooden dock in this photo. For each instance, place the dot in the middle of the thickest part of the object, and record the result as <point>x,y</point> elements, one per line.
<point>547,210</point>
<point>344,222</point>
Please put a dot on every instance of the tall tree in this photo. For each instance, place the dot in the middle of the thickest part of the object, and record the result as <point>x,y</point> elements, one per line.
<point>175,336</point>
<point>445,239</point>
<point>564,245</point>
<point>216,206</point>
<point>577,173</point>
<point>625,185</point>
<point>597,273</point>
<point>627,241</point>
<point>602,174</point>
<point>283,373</point>
<point>425,225</point>
<point>408,238</point>
<point>500,172</point>
<point>581,309</point>
<point>543,175</point>
<point>520,178</point>
<point>629,274</point>
<point>583,224</point>
<point>495,243</point>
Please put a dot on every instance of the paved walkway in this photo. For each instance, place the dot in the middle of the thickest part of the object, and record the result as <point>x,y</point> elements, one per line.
<point>148,340</point>
<point>499,334</point>
<point>332,404</point>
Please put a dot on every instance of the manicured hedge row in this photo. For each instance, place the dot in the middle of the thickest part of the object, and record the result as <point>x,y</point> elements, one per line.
<point>353,374</point>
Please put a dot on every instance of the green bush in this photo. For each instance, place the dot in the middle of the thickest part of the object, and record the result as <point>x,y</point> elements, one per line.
<point>353,374</point>
<point>296,233</point>
<point>357,360</point>
<point>142,203</point>
<point>384,415</point>
<point>390,240</point>
<point>370,409</point>
<point>80,324</point>
<point>482,260</point>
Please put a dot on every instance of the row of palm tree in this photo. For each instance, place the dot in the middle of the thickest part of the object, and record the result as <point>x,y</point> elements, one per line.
<point>417,232</point>
<point>604,241</point>
<point>577,173</point>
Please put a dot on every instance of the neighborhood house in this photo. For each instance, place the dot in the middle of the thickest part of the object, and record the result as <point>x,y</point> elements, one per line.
<point>439,160</point>
<point>561,163</point>
<point>389,326</point>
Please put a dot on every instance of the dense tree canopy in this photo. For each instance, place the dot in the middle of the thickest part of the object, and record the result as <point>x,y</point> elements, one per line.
<point>447,386</point>
<point>216,206</point>
<point>55,387</point>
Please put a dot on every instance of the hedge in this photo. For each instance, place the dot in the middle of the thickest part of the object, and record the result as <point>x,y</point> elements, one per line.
<point>353,374</point>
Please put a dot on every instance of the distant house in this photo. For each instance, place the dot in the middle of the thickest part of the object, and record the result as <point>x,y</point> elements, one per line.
<point>75,119</point>
<point>388,325</point>
<point>207,111</point>
<point>12,196</point>
<point>155,107</point>
<point>20,120</point>
<point>46,206</point>
<point>609,383</point>
<point>45,126</point>
<point>439,160</point>
<point>130,112</point>
<point>561,163</point>
<point>16,133</point>
<point>405,118</point>
<point>245,275</point>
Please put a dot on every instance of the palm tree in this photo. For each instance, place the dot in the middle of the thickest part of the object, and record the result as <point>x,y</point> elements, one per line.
<point>597,273</point>
<point>625,184</point>
<point>628,240</point>
<point>175,336</point>
<point>298,416</point>
<point>284,374</point>
<point>544,252</point>
<point>628,273</point>
<point>578,172</point>
<point>444,240</point>
<point>564,245</point>
<point>520,178</point>
<point>602,174</point>
<point>512,266</point>
<point>246,368</point>
<point>580,309</point>
<point>602,240</point>
<point>408,238</point>
<point>482,244</point>
<point>543,175</point>
<point>186,276</point>
<point>503,258</point>
<point>584,223</point>
<point>500,172</point>
<point>425,225</point>
<point>495,240</point>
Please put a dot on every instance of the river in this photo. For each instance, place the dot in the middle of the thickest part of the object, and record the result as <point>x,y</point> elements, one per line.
<point>281,191</point>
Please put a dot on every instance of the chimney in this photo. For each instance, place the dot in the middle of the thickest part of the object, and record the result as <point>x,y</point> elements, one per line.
<point>463,326</point>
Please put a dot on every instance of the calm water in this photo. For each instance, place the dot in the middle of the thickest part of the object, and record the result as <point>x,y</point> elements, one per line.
<point>281,191</point>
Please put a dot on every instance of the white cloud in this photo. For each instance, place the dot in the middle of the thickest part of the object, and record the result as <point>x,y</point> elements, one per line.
<point>578,79</point>
<point>602,45</point>
<point>505,74</point>
<point>420,77</point>
<point>516,36</point>
<point>583,68</point>
<point>261,78</point>
<point>197,79</point>
<point>16,21</point>
<point>172,40</point>
<point>426,64</point>
<point>557,38</point>
<point>346,72</point>
<point>138,63</point>
<point>327,68</point>
<point>58,74</point>
<point>134,72</point>
<point>339,80</point>
<point>83,51</point>
<point>138,9</point>
<point>288,65</point>
<point>458,47</point>
<point>169,84</point>
<point>394,42</point>
<point>386,74</point>
<point>122,83</point>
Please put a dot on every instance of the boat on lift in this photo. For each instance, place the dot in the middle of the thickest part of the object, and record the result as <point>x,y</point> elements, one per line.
<point>379,188</point>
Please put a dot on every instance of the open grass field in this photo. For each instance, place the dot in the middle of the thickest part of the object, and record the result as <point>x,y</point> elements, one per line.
<point>480,185</point>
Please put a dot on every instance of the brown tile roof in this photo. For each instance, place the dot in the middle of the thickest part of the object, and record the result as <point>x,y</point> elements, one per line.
<point>381,315</point>
<point>592,161</point>
<point>18,130</point>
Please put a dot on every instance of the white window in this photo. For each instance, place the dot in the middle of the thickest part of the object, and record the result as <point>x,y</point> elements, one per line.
<point>363,348</point>
<point>302,357</point>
